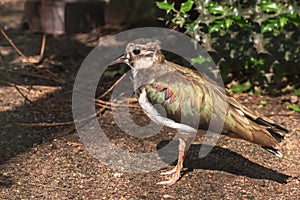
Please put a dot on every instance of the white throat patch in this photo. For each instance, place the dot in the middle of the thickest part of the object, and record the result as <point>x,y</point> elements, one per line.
<point>143,63</point>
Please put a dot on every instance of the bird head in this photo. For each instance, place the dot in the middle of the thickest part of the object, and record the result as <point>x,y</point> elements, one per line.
<point>141,53</point>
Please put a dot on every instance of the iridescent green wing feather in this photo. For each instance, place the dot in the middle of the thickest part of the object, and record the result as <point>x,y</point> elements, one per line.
<point>187,94</point>
<point>182,95</point>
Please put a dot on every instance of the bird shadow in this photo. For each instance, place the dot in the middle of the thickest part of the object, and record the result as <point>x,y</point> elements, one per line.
<point>222,159</point>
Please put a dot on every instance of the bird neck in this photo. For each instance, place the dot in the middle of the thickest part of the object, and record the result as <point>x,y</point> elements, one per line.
<point>146,76</point>
<point>143,63</point>
<point>146,63</point>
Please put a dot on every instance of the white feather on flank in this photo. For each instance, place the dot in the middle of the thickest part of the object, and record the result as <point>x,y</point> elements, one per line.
<point>240,112</point>
<point>152,113</point>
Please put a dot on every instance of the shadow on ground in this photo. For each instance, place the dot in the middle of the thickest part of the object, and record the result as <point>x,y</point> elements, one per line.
<point>62,59</point>
<point>222,159</point>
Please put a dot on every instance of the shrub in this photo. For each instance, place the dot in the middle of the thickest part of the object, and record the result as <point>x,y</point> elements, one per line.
<point>255,44</point>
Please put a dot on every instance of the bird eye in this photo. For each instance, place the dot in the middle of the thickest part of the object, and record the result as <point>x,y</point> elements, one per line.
<point>136,51</point>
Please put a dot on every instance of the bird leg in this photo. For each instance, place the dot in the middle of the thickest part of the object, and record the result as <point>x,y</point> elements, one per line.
<point>175,172</point>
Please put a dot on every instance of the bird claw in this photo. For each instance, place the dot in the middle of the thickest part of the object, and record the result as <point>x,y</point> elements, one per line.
<point>169,182</point>
<point>175,172</point>
<point>174,178</point>
<point>172,171</point>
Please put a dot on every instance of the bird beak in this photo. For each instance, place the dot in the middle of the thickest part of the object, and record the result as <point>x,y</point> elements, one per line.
<point>122,59</point>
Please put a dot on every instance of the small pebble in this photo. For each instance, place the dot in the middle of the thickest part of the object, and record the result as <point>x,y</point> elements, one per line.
<point>117,174</point>
<point>167,196</point>
<point>294,99</point>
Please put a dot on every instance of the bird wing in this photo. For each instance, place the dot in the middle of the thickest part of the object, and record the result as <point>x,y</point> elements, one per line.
<point>192,98</point>
<point>180,96</point>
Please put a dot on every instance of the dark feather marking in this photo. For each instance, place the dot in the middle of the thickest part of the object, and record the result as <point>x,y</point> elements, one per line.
<point>273,132</point>
<point>272,150</point>
<point>272,128</point>
<point>262,122</point>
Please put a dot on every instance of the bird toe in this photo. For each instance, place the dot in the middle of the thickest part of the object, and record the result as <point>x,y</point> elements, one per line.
<point>172,171</point>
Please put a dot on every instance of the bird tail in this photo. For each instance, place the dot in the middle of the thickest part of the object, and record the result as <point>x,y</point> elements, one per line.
<point>255,128</point>
<point>269,134</point>
<point>273,151</point>
<point>277,133</point>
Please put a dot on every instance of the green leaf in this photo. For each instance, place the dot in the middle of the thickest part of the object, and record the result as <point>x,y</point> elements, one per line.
<point>258,90</point>
<point>228,23</point>
<point>283,21</point>
<point>269,6</point>
<point>263,102</point>
<point>240,88</point>
<point>216,26</point>
<point>292,15</point>
<point>246,65</point>
<point>241,21</point>
<point>186,6</point>
<point>270,25</point>
<point>200,60</point>
<point>296,21</point>
<point>257,62</point>
<point>296,92</point>
<point>295,108</point>
<point>216,9</point>
<point>114,73</point>
<point>164,5</point>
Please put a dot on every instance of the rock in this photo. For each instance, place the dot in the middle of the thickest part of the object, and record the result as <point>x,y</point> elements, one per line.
<point>294,99</point>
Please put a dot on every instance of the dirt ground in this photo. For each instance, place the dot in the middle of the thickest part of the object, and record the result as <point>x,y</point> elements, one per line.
<point>41,155</point>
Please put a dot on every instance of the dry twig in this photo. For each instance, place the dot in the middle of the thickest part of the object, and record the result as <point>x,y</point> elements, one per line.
<point>48,74</point>
<point>14,84</point>
<point>107,103</point>
<point>38,58</point>
<point>43,124</point>
<point>113,86</point>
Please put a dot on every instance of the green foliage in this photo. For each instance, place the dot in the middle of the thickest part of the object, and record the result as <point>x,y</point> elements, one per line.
<point>165,6</point>
<point>115,72</point>
<point>186,6</point>
<point>296,92</point>
<point>262,103</point>
<point>295,108</point>
<point>240,87</point>
<point>201,60</point>
<point>254,43</point>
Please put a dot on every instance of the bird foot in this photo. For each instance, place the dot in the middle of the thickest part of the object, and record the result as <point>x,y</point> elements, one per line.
<point>175,172</point>
<point>169,182</point>
<point>172,171</point>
